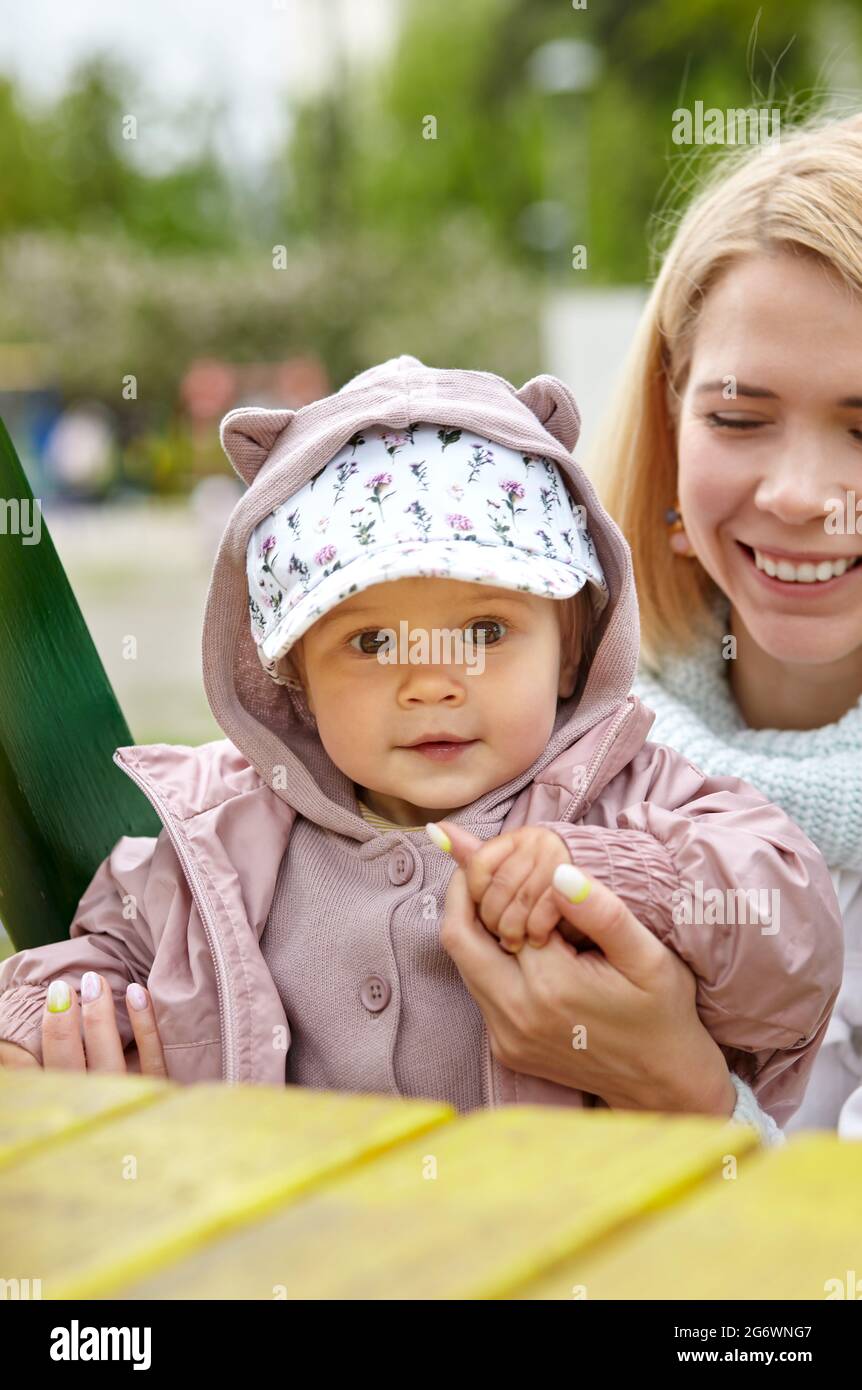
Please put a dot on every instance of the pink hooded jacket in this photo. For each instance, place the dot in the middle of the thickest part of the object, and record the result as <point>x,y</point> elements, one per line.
<point>185,912</point>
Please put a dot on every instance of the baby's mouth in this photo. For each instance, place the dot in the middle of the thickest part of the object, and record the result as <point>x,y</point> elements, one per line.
<point>441,751</point>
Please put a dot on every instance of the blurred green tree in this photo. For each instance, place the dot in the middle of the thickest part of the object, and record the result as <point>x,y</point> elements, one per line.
<point>69,168</point>
<point>420,201</point>
<point>359,156</point>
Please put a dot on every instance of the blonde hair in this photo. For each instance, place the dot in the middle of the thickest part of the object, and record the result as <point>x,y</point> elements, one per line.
<point>803,196</point>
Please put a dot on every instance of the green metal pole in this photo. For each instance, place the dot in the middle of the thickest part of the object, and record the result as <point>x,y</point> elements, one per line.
<point>63,802</point>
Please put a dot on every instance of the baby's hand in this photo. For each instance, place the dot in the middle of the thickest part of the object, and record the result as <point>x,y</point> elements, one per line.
<point>509,880</point>
<point>14,1055</point>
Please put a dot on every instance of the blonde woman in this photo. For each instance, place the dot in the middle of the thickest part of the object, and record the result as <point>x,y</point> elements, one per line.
<point>733,464</point>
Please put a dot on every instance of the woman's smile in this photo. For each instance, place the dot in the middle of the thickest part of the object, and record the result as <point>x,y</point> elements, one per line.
<point>800,575</point>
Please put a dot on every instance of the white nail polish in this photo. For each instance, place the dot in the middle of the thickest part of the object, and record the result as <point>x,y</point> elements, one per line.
<point>440,838</point>
<point>59,998</point>
<point>91,986</point>
<point>571,883</point>
<point>136,996</point>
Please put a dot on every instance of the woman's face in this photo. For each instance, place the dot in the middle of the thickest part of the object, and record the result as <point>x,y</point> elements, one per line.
<point>368,712</point>
<point>762,475</point>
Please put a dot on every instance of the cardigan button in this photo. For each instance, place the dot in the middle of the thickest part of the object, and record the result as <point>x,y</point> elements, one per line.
<point>400,866</point>
<point>375,993</point>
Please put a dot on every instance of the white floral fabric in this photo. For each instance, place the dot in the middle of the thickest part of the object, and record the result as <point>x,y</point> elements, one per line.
<point>428,501</point>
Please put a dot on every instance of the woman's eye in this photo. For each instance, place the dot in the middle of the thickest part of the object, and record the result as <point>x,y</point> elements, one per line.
<point>486,623</point>
<point>374,635</point>
<point>731,422</point>
<point>744,422</point>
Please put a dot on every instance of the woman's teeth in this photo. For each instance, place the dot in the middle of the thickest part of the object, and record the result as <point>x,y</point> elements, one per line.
<point>808,573</point>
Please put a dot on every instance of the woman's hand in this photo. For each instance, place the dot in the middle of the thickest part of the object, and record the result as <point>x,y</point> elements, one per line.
<point>619,1022</point>
<point>101,1048</point>
<point>509,879</point>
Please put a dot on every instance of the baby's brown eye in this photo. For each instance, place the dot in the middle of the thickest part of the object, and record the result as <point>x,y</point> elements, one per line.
<point>368,647</point>
<point>482,637</point>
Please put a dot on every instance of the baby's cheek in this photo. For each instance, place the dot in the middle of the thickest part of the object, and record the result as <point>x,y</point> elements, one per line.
<point>348,744</point>
<point>521,731</point>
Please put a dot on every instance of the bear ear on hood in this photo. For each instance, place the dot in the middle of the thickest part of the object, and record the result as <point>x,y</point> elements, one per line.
<point>248,435</point>
<point>553,404</point>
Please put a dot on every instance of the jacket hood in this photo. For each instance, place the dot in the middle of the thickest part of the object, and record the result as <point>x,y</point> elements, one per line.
<point>276,452</point>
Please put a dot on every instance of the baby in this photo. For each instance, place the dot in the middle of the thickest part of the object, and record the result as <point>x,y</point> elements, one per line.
<point>459,738</point>
<point>419,611</point>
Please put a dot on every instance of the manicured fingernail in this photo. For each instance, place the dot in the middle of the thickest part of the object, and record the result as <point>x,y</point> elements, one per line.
<point>440,838</point>
<point>91,986</point>
<point>571,883</point>
<point>59,997</point>
<point>136,996</point>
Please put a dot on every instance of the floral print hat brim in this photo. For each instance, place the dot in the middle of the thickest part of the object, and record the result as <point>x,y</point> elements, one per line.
<point>427,501</point>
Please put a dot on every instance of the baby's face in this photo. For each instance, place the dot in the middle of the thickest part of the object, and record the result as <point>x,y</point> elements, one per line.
<point>502,698</point>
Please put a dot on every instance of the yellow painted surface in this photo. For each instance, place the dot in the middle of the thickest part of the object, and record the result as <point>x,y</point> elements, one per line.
<point>786,1225</point>
<point>133,1188</point>
<point>470,1210</point>
<point>38,1108</point>
<point>148,1187</point>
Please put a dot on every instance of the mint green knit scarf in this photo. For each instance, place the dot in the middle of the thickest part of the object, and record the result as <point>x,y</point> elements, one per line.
<point>815,775</point>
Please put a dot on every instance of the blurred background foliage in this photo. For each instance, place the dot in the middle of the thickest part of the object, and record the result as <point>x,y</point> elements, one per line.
<point>553,128</point>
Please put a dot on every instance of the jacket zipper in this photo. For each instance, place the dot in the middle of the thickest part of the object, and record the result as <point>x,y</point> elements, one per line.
<point>488,1057</point>
<point>226,1028</point>
<point>598,758</point>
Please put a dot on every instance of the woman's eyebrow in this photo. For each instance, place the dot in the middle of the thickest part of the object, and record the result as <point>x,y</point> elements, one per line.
<point>740,389</point>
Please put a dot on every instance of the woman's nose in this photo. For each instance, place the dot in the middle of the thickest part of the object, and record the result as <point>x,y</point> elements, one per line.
<point>799,487</point>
